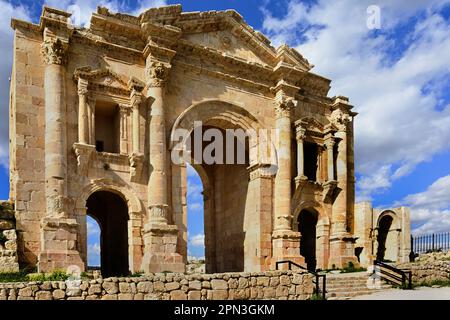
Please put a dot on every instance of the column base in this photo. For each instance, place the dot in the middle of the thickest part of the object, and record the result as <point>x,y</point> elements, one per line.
<point>160,249</point>
<point>59,245</point>
<point>342,251</point>
<point>286,246</point>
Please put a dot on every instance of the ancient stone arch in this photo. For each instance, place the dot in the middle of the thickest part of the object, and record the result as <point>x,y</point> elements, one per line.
<point>135,217</point>
<point>118,103</point>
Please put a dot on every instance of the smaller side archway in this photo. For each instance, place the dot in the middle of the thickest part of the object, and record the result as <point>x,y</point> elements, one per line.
<point>131,225</point>
<point>387,248</point>
<point>111,213</point>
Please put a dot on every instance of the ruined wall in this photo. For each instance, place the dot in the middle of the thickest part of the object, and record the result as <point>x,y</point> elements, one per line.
<point>8,239</point>
<point>278,285</point>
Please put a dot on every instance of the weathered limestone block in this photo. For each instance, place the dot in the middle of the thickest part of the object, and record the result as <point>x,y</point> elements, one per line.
<point>178,295</point>
<point>145,287</point>
<point>172,286</point>
<point>44,295</point>
<point>219,284</point>
<point>194,295</point>
<point>110,287</point>
<point>59,294</point>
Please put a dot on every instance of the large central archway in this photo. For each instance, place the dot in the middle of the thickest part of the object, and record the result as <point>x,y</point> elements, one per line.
<point>111,213</point>
<point>228,233</point>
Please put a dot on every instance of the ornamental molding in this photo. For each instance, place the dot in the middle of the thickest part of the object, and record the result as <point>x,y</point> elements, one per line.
<point>102,80</point>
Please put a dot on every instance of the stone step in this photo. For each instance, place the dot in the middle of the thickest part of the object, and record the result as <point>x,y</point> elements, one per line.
<point>349,294</point>
<point>355,289</point>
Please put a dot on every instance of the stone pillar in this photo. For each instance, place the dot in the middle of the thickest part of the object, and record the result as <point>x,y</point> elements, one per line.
<point>137,156</point>
<point>285,242</point>
<point>83,114</point>
<point>341,241</point>
<point>329,143</point>
<point>91,119</point>
<point>124,111</point>
<point>300,137</point>
<point>58,230</point>
<point>258,221</point>
<point>160,238</point>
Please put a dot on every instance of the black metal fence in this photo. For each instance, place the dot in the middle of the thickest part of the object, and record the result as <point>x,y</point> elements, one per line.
<point>430,242</point>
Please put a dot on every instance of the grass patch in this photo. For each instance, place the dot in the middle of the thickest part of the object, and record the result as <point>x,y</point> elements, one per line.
<point>440,283</point>
<point>316,296</point>
<point>25,276</point>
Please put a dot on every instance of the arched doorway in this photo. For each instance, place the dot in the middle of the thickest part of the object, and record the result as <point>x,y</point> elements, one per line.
<point>384,225</point>
<point>307,223</point>
<point>111,213</point>
<point>225,187</point>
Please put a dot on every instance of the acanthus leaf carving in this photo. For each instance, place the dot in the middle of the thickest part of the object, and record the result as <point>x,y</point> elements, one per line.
<point>158,73</point>
<point>340,119</point>
<point>54,50</point>
<point>283,107</point>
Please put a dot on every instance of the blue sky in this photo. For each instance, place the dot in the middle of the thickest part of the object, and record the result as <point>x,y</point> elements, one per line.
<point>397,77</point>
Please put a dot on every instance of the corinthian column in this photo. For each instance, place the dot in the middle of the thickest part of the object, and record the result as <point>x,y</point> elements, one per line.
<point>285,242</point>
<point>300,133</point>
<point>157,184</point>
<point>83,114</point>
<point>58,230</point>
<point>341,241</point>
<point>136,157</point>
<point>283,178</point>
<point>54,50</point>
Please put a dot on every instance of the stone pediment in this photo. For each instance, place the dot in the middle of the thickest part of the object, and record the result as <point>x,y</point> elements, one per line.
<point>105,77</point>
<point>102,79</point>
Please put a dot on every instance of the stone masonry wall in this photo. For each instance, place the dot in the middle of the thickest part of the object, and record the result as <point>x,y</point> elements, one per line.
<point>8,239</point>
<point>429,267</point>
<point>278,285</point>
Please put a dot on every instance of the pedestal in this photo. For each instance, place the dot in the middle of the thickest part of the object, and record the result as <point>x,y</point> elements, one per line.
<point>286,246</point>
<point>160,255</point>
<point>342,251</point>
<point>59,245</point>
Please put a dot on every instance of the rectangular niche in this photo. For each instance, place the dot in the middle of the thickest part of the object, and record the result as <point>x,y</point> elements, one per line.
<point>107,127</point>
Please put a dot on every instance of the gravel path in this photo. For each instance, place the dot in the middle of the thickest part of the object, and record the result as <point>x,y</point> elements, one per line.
<point>422,293</point>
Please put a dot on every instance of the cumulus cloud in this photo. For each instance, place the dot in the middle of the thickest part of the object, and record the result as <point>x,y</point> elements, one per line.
<point>393,77</point>
<point>92,229</point>
<point>195,207</point>
<point>197,240</point>
<point>430,209</point>
<point>94,254</point>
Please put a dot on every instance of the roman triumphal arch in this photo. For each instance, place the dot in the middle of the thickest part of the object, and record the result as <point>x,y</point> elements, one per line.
<point>95,120</point>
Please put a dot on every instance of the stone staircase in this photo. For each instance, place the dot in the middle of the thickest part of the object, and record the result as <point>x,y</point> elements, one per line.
<point>344,286</point>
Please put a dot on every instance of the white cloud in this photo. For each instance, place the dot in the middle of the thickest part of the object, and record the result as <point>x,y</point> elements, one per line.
<point>6,39</point>
<point>94,254</point>
<point>430,209</point>
<point>195,207</point>
<point>92,229</point>
<point>197,240</point>
<point>398,125</point>
<point>194,190</point>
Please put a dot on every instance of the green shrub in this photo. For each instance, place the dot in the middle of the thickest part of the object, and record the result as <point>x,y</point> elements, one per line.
<point>316,296</point>
<point>20,276</point>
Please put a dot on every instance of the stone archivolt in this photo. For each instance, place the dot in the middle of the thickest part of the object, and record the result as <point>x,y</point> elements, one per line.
<point>161,71</point>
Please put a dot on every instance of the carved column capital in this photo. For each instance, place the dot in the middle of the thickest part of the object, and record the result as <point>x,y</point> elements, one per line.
<point>157,73</point>
<point>54,50</point>
<point>124,109</point>
<point>300,131</point>
<point>283,107</point>
<point>340,119</point>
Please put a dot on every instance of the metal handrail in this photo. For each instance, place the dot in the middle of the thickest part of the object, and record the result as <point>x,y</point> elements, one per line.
<point>316,275</point>
<point>399,275</point>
